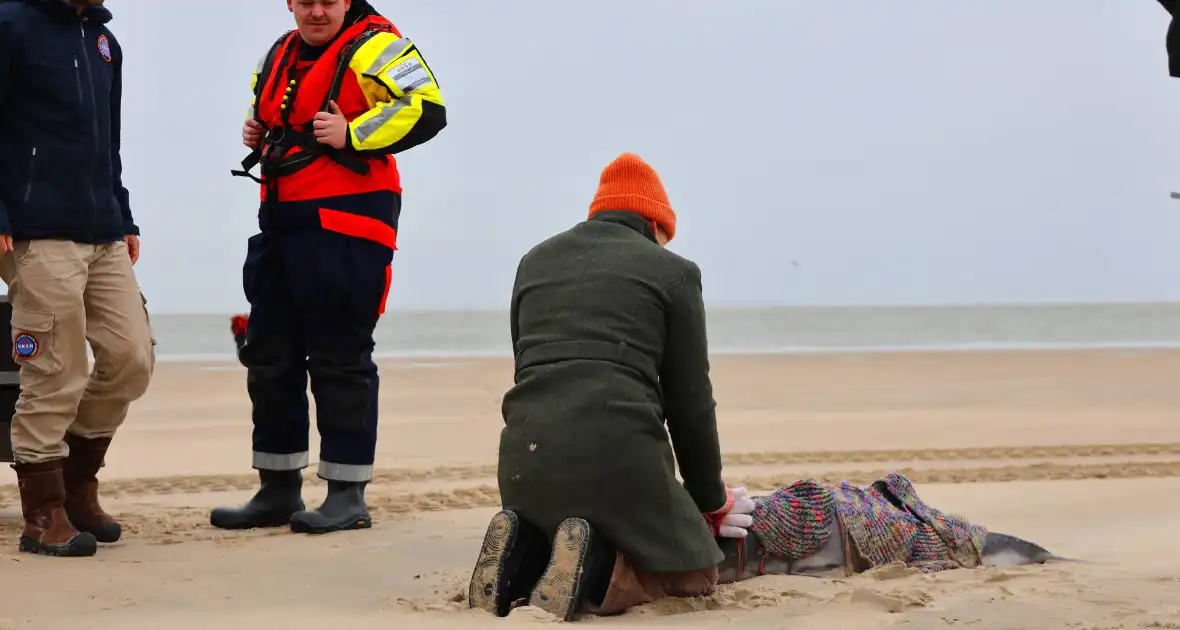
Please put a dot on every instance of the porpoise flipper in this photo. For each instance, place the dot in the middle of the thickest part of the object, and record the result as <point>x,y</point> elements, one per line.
<point>1006,550</point>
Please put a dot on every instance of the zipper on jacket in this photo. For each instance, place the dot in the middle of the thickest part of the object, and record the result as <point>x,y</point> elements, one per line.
<point>78,80</point>
<point>94,123</point>
<point>32,165</point>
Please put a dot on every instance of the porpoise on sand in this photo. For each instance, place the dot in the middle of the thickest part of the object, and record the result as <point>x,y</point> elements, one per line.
<point>746,558</point>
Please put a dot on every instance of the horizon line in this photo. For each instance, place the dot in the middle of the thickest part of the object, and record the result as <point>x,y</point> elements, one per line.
<point>736,306</point>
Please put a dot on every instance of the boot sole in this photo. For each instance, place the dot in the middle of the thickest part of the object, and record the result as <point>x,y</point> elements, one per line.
<point>107,538</point>
<point>228,522</point>
<point>484,592</point>
<point>302,527</point>
<point>560,588</point>
<point>251,525</point>
<point>81,546</point>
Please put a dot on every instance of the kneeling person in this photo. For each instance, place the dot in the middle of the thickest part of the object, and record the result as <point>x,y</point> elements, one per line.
<point>608,329</point>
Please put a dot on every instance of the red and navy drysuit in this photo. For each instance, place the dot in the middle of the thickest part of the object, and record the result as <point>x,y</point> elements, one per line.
<point>317,274</point>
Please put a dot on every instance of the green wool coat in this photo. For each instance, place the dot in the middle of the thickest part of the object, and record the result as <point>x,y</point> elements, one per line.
<point>612,381</point>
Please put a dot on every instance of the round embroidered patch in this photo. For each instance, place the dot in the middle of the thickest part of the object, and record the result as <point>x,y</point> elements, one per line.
<point>104,47</point>
<point>26,345</point>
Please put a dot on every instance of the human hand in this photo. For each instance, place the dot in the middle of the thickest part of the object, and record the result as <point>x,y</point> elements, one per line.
<point>5,244</point>
<point>737,521</point>
<point>132,247</point>
<point>331,128</point>
<point>742,503</point>
<point>251,133</point>
<point>237,324</point>
<point>732,519</point>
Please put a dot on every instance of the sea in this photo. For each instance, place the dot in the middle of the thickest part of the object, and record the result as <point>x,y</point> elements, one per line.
<point>206,337</point>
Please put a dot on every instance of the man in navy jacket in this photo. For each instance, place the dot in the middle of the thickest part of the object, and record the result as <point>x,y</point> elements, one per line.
<point>67,246</point>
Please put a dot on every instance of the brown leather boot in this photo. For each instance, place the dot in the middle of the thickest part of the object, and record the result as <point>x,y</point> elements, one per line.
<point>80,473</point>
<point>47,528</point>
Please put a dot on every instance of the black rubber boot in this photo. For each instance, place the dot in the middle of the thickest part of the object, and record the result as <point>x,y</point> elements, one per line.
<point>343,508</point>
<point>272,506</point>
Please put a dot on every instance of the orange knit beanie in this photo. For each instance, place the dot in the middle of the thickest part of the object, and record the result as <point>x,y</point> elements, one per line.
<point>628,183</point>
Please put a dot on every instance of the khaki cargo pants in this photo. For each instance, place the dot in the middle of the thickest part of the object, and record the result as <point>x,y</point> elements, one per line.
<point>64,294</point>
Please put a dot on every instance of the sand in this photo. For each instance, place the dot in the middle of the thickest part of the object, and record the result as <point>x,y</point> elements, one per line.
<point>1076,450</point>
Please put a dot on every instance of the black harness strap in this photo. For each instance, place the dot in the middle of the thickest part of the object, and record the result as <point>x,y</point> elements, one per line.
<point>272,154</point>
<point>264,75</point>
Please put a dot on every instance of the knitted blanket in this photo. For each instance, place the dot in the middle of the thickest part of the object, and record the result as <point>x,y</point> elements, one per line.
<point>886,521</point>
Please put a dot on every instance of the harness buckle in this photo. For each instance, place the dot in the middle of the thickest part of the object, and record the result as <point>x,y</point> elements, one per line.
<point>275,136</point>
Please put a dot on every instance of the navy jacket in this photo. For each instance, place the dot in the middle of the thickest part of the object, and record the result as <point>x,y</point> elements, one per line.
<point>60,88</point>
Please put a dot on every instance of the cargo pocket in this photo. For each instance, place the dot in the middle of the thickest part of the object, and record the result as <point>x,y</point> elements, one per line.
<point>21,251</point>
<point>32,341</point>
<point>148,317</point>
<point>258,256</point>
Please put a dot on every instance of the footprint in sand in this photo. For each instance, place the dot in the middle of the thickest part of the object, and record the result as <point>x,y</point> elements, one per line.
<point>892,571</point>
<point>893,602</point>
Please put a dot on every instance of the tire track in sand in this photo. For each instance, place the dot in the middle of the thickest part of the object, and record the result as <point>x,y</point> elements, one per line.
<point>167,525</point>
<point>489,495</point>
<point>389,504</point>
<point>191,484</point>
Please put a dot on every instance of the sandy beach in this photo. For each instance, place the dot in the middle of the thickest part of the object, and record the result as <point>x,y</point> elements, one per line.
<point>1078,451</point>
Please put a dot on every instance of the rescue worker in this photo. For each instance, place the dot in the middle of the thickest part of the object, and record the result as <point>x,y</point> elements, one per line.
<point>608,330</point>
<point>68,242</point>
<point>334,101</point>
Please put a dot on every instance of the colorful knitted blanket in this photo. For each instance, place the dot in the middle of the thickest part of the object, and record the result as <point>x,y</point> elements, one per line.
<point>886,521</point>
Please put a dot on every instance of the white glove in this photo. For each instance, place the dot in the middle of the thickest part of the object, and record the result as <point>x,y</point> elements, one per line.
<point>738,520</point>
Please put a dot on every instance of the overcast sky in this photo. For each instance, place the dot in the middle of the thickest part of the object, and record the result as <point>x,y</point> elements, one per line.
<point>911,151</point>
